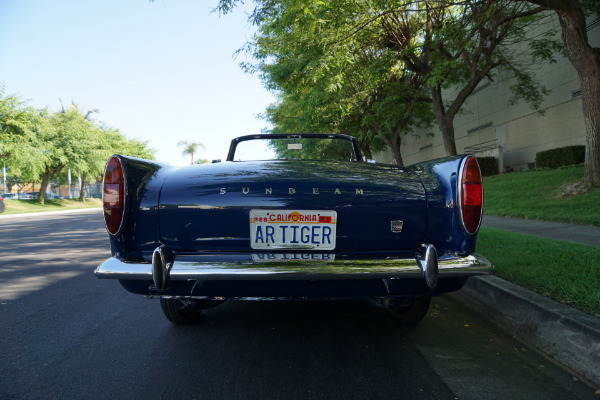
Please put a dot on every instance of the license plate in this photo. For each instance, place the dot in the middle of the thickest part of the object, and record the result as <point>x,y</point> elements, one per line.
<point>283,257</point>
<point>292,229</point>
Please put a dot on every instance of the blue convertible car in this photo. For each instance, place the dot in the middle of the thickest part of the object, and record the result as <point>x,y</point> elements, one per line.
<point>293,217</point>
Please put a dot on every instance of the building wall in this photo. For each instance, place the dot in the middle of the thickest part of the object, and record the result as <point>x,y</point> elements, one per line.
<point>488,124</point>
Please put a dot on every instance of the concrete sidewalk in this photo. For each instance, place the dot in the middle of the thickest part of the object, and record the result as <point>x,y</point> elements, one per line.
<point>33,215</point>
<point>589,235</point>
<point>569,336</point>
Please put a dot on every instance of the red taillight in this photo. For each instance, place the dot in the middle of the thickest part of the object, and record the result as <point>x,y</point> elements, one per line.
<point>113,195</point>
<point>471,194</point>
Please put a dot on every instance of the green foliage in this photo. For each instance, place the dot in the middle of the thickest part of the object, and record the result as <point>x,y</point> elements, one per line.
<point>117,143</point>
<point>527,88</point>
<point>546,48</point>
<point>69,143</point>
<point>591,6</point>
<point>368,68</point>
<point>20,148</point>
<point>533,195</point>
<point>37,145</point>
<point>562,270</point>
<point>102,141</point>
<point>333,76</point>
<point>488,165</point>
<point>554,158</point>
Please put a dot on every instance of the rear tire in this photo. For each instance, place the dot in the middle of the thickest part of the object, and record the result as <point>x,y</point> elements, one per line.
<point>412,311</point>
<point>182,312</point>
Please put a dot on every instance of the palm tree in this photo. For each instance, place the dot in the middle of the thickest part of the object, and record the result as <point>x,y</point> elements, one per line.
<point>190,148</point>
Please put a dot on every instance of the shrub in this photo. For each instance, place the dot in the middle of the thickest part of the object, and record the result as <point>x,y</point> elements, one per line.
<point>489,165</point>
<point>559,157</point>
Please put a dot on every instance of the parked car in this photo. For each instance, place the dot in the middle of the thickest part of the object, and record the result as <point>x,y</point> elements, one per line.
<point>293,217</point>
<point>47,195</point>
<point>16,196</point>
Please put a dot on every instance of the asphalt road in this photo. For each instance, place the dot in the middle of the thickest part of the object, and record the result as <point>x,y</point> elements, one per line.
<point>65,334</point>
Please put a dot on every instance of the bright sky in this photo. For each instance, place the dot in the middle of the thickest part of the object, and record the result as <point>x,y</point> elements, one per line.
<point>162,71</point>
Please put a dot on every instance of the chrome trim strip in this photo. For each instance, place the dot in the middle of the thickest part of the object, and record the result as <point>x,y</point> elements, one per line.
<point>114,268</point>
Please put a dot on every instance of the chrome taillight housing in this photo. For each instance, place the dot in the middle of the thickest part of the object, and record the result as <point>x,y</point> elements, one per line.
<point>470,195</point>
<point>113,195</point>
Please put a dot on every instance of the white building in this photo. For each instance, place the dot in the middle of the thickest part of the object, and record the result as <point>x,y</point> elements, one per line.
<point>489,126</point>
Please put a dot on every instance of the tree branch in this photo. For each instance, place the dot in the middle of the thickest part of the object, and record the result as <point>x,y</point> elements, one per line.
<point>550,4</point>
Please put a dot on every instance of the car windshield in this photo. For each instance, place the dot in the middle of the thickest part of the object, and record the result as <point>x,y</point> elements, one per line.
<point>295,148</point>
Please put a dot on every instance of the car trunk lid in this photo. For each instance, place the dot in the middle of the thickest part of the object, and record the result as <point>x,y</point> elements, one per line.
<point>208,207</point>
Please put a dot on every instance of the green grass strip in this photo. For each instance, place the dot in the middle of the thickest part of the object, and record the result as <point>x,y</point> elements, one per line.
<point>532,195</point>
<point>565,271</point>
<point>29,206</point>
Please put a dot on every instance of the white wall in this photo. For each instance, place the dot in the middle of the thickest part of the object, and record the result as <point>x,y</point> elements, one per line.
<point>520,131</point>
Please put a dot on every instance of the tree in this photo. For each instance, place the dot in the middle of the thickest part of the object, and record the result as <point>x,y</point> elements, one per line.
<point>65,141</point>
<point>37,145</point>
<point>455,45</point>
<point>441,44</point>
<point>392,110</point>
<point>190,148</point>
<point>92,151</point>
<point>586,60</point>
<point>374,114</point>
<point>102,142</point>
<point>20,148</point>
<point>356,87</point>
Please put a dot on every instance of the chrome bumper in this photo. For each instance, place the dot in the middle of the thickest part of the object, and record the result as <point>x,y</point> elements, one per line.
<point>162,270</point>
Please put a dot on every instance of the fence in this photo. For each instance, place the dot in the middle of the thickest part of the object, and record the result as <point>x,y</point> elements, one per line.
<point>55,189</point>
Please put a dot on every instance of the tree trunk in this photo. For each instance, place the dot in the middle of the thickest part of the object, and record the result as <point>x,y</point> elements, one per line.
<point>444,120</point>
<point>586,61</point>
<point>396,154</point>
<point>591,111</point>
<point>44,185</point>
<point>394,144</point>
<point>82,190</point>
<point>46,177</point>
<point>366,151</point>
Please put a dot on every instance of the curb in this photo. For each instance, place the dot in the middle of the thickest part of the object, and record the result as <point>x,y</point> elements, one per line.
<point>58,212</point>
<point>568,335</point>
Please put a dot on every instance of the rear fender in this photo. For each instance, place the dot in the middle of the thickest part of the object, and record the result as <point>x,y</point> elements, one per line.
<point>140,233</point>
<point>444,227</point>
